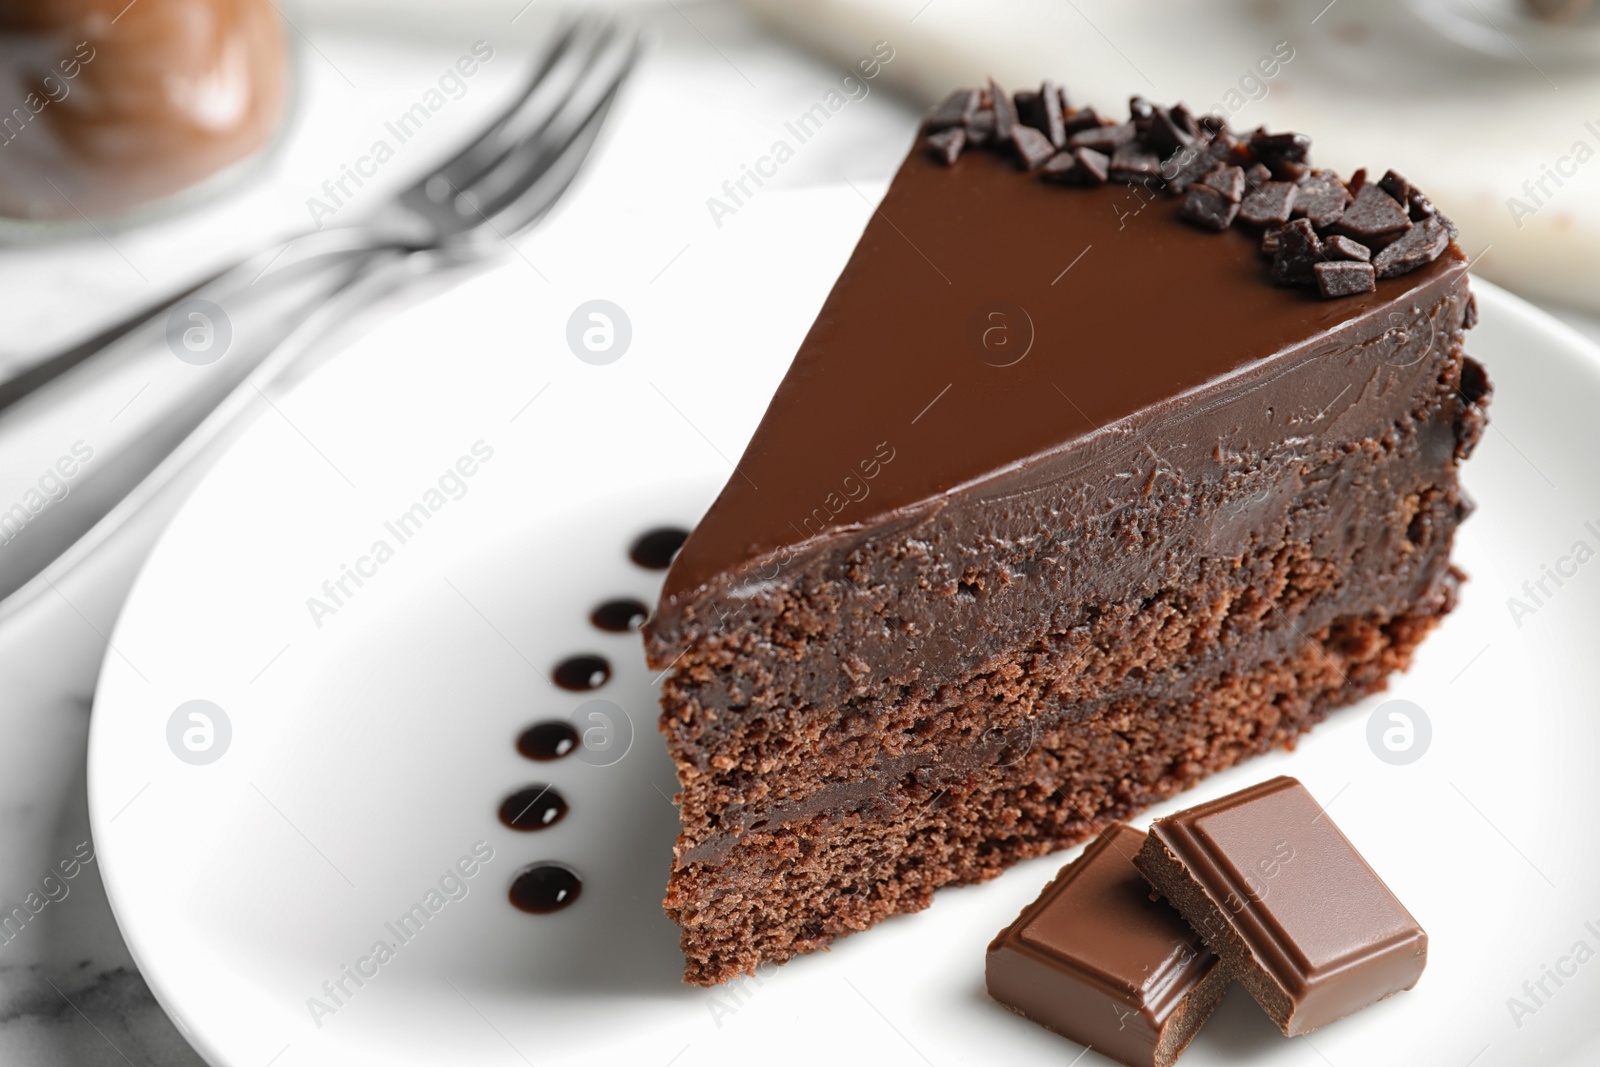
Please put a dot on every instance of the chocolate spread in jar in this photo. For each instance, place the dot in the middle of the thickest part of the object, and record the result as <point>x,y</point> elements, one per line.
<point>106,106</point>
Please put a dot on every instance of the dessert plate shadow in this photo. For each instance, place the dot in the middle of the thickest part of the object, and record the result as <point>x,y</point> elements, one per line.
<point>372,593</point>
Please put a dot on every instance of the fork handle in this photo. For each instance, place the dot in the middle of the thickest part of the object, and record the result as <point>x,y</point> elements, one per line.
<point>75,445</point>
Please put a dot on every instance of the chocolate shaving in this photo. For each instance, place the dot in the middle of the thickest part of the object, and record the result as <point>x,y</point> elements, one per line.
<point>1272,204</point>
<point>1344,278</point>
<point>946,145</point>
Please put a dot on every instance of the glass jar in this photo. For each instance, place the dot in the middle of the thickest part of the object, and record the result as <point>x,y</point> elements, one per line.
<point>108,107</point>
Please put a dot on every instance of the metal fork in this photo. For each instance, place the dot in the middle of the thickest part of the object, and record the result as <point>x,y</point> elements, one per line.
<point>155,409</point>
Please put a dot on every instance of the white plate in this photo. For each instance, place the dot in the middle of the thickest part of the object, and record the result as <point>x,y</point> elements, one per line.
<point>369,754</point>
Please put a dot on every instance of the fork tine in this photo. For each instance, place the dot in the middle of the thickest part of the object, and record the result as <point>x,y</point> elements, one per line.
<point>519,169</point>
<point>528,202</point>
<point>493,139</point>
<point>541,109</point>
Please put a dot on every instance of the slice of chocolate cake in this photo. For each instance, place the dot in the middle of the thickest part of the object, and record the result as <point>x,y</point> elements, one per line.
<point>1118,453</point>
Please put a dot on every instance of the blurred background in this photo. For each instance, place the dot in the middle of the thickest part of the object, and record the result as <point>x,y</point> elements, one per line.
<point>146,145</point>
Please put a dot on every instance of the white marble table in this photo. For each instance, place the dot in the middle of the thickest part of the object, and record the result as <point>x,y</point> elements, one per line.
<point>69,993</point>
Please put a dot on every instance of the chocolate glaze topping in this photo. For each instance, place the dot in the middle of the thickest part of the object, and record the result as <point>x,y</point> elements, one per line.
<point>943,403</point>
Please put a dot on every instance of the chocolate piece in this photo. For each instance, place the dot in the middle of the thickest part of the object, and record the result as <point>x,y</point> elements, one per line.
<point>1190,164</point>
<point>1272,204</point>
<point>1005,112</point>
<point>1298,250</point>
<point>1133,162</point>
<point>1099,962</point>
<point>946,145</point>
<point>1278,892</point>
<point>1081,166</point>
<point>1023,631</point>
<point>1419,245</point>
<point>1166,135</point>
<point>980,127</point>
<point>1102,138</point>
<point>1469,317</point>
<point>1321,199</point>
<point>1395,184</point>
<point>1229,181</point>
<point>1140,112</point>
<point>1374,215</point>
<point>1341,247</point>
<point>1033,147</point>
<point>1256,176</point>
<point>1207,208</point>
<point>1285,154</point>
<point>1184,119</point>
<point>1084,118</point>
<point>1344,278</point>
<point>1043,112</point>
<point>956,109</point>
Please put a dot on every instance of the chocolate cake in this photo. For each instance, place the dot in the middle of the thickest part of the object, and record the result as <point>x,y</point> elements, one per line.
<point>1119,452</point>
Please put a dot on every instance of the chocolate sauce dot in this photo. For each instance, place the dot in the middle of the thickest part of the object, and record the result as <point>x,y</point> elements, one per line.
<point>580,673</point>
<point>548,740</point>
<point>654,550</point>
<point>545,887</point>
<point>619,616</point>
<point>533,808</point>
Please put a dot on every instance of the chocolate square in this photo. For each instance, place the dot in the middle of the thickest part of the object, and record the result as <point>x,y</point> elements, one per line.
<point>1267,879</point>
<point>1097,961</point>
